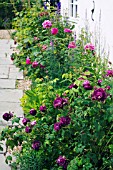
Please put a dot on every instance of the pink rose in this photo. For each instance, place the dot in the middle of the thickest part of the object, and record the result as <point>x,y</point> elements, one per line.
<point>89,47</point>
<point>46,24</point>
<point>72,45</point>
<point>28,61</point>
<point>54,31</point>
<point>67,30</point>
<point>44,47</point>
<point>34,64</point>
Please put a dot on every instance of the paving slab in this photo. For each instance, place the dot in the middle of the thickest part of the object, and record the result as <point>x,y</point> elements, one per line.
<point>3,165</point>
<point>10,95</point>
<point>17,76</point>
<point>7,84</point>
<point>5,61</point>
<point>4,71</point>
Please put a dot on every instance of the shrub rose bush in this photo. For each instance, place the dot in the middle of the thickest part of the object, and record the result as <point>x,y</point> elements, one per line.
<point>68,120</point>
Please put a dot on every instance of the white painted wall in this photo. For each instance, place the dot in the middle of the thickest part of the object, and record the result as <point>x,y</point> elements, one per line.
<point>106,23</point>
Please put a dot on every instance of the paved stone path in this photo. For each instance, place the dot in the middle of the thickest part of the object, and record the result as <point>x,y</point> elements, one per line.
<point>9,95</point>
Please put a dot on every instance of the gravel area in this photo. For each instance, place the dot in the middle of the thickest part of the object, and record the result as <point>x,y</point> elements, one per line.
<point>6,34</point>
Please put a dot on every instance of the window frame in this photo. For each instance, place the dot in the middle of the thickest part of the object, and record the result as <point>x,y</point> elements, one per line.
<point>73,15</point>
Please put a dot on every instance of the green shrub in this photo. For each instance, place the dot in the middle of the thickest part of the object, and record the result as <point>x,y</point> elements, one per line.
<point>68,120</point>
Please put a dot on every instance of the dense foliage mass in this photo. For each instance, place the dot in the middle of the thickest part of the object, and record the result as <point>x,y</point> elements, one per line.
<point>68,119</point>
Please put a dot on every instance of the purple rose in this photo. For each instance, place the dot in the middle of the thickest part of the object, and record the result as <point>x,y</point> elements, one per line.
<point>36,145</point>
<point>25,121</point>
<point>108,87</point>
<point>72,86</point>
<point>33,112</point>
<point>99,94</point>
<point>7,116</point>
<point>60,102</point>
<point>33,123</point>
<point>42,108</point>
<point>28,129</point>
<point>65,120</point>
<point>57,126</point>
<point>62,161</point>
<point>86,85</point>
<point>57,102</point>
<point>109,73</point>
<point>99,82</point>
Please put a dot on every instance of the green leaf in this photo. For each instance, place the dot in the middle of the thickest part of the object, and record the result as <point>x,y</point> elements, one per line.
<point>15,120</point>
<point>9,158</point>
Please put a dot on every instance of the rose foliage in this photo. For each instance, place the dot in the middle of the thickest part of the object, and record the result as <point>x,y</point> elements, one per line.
<point>68,111</point>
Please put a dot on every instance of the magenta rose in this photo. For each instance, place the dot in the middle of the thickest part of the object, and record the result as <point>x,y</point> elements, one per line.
<point>28,61</point>
<point>67,30</point>
<point>72,45</point>
<point>34,64</point>
<point>46,24</point>
<point>89,46</point>
<point>109,73</point>
<point>54,31</point>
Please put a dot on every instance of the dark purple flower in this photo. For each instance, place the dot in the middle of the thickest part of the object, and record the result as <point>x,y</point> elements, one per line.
<point>57,102</point>
<point>28,129</point>
<point>36,145</point>
<point>72,86</point>
<point>25,121</point>
<point>99,82</point>
<point>7,116</point>
<point>99,94</point>
<point>57,126</point>
<point>65,120</point>
<point>60,102</point>
<point>86,85</point>
<point>109,73</point>
<point>62,161</point>
<point>45,5</point>
<point>108,87</point>
<point>59,5</point>
<point>33,112</point>
<point>42,108</point>
<point>64,101</point>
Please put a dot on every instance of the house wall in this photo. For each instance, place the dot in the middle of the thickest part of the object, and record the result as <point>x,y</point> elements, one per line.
<point>103,21</point>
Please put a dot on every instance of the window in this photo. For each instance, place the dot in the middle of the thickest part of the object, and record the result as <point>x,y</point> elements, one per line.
<point>73,8</point>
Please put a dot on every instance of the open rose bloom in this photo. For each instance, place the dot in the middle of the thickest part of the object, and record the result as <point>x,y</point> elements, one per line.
<point>89,46</point>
